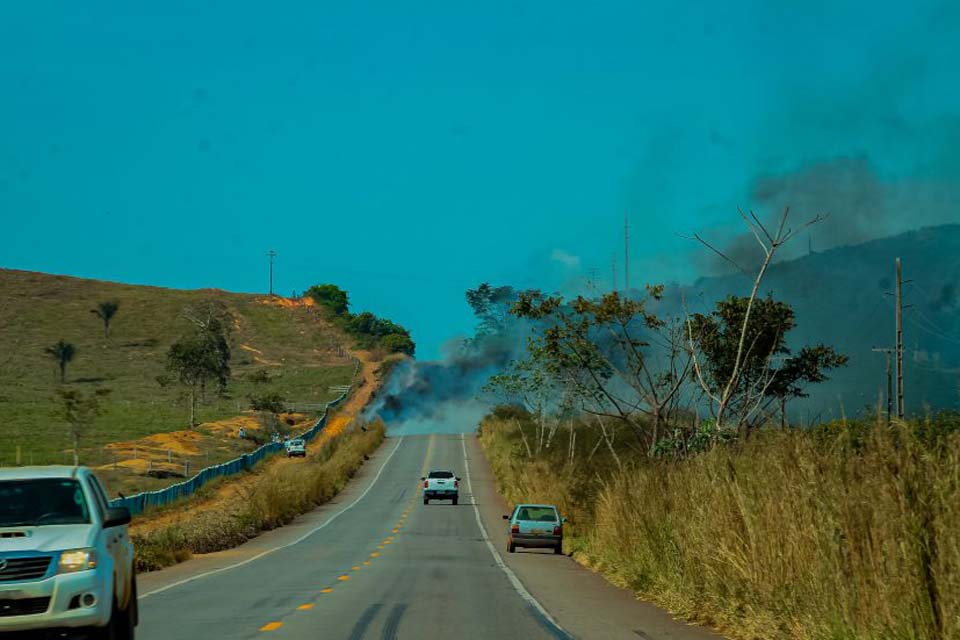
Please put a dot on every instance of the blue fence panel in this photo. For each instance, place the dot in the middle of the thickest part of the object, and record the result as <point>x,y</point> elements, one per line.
<point>140,502</point>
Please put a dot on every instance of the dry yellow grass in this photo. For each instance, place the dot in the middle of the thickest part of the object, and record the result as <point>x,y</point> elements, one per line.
<point>847,532</point>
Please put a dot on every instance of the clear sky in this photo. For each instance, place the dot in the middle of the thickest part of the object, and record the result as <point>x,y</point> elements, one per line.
<point>407,151</point>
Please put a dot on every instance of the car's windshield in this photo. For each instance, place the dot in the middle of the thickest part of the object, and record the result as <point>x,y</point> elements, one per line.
<point>440,474</point>
<point>43,501</point>
<point>537,514</point>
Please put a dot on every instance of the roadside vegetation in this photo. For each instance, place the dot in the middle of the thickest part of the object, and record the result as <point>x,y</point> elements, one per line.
<point>848,530</point>
<point>280,493</point>
<point>668,441</point>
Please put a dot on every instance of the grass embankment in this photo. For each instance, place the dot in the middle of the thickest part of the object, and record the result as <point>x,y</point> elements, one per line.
<point>851,531</point>
<point>287,340</point>
<point>281,493</point>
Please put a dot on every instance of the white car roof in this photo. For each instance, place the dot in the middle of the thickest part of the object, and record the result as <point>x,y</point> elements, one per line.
<point>31,473</point>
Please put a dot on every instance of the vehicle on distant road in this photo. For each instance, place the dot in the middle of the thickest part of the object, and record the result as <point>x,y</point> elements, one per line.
<point>296,447</point>
<point>66,560</point>
<point>441,485</point>
<point>535,525</point>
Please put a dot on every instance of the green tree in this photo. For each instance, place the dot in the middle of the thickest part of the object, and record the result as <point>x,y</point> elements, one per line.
<point>398,343</point>
<point>106,311</point>
<point>766,372</point>
<point>330,296</point>
<point>79,410</point>
<point>199,358</point>
<point>598,351</point>
<point>62,353</point>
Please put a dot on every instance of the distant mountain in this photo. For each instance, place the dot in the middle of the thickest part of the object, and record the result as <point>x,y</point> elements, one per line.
<point>843,297</point>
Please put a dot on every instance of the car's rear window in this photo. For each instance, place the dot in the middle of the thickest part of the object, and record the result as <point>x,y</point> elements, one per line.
<point>297,443</point>
<point>537,514</point>
<point>440,474</point>
<point>42,501</point>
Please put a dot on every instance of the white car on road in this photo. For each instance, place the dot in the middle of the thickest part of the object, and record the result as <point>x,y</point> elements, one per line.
<point>296,447</point>
<point>66,560</point>
<point>441,485</point>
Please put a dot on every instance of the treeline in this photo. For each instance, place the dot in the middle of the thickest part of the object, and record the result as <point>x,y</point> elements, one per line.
<point>368,330</point>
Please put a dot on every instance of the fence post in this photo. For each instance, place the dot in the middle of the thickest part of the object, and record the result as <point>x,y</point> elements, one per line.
<point>169,456</point>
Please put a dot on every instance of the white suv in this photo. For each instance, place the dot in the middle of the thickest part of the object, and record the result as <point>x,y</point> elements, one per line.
<point>66,560</point>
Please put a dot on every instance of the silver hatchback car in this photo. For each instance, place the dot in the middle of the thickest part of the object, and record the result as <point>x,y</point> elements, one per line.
<point>535,525</point>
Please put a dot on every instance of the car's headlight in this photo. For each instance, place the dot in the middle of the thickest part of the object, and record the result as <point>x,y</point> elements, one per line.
<point>77,560</point>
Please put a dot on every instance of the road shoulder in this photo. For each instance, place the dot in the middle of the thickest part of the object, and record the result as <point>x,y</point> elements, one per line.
<point>581,601</point>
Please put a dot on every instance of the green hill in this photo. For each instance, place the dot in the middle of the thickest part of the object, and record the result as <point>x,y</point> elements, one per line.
<point>288,340</point>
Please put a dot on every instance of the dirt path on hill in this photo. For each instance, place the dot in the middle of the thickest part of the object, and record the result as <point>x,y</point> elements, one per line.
<point>231,490</point>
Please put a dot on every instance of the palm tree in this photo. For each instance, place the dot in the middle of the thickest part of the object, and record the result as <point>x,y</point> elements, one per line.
<point>62,353</point>
<point>105,311</point>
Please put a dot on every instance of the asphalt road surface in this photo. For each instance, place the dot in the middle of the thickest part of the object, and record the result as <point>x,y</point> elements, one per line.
<point>377,563</point>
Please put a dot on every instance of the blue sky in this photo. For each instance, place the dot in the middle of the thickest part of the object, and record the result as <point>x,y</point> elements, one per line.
<point>407,151</point>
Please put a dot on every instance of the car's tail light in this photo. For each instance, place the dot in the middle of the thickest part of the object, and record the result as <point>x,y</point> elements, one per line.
<point>558,531</point>
<point>515,529</point>
<point>425,484</point>
<point>456,484</point>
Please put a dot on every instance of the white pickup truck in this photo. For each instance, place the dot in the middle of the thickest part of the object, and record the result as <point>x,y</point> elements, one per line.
<point>66,561</point>
<point>441,485</point>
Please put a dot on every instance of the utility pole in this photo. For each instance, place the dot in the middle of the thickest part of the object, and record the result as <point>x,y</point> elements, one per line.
<point>899,294</point>
<point>626,254</point>
<point>613,265</point>
<point>888,352</point>
<point>272,254</point>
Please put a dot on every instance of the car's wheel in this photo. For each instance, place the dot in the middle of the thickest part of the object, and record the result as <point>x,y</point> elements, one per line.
<point>121,625</point>
<point>455,501</point>
<point>426,501</point>
<point>510,546</point>
<point>558,550</point>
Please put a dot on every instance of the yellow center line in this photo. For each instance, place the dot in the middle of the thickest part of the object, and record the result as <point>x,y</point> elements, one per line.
<point>305,607</point>
<point>343,578</point>
<point>366,562</point>
<point>387,541</point>
<point>380,546</point>
<point>327,590</point>
<point>271,626</point>
<point>375,554</point>
<point>355,568</point>
<point>396,530</point>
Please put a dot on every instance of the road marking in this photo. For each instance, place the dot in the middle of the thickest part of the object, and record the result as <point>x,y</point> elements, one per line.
<point>327,590</point>
<point>262,554</point>
<point>355,568</point>
<point>271,626</point>
<point>396,530</point>
<point>305,607</point>
<point>366,562</point>
<point>343,578</point>
<point>375,554</point>
<point>511,576</point>
<point>380,546</point>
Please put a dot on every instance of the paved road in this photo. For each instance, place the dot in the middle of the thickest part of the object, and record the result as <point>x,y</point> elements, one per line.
<point>377,563</point>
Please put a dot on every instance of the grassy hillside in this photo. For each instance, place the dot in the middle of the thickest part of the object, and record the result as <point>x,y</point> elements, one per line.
<point>287,340</point>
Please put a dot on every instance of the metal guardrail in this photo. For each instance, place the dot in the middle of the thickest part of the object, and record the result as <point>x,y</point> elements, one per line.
<point>140,502</point>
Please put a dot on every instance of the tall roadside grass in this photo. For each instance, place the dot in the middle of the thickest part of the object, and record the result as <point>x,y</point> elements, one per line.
<point>848,531</point>
<point>282,492</point>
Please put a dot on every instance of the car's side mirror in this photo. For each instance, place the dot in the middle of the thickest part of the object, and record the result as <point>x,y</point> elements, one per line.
<point>116,517</point>
<point>506,517</point>
<point>562,520</point>
<point>458,479</point>
<point>422,478</point>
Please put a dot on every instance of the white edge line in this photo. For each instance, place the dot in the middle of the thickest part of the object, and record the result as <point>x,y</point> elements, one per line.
<point>511,576</point>
<point>207,574</point>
